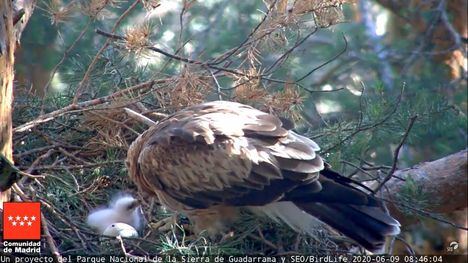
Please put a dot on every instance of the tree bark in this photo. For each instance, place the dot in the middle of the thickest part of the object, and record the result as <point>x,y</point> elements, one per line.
<point>7,60</point>
<point>443,180</point>
<point>13,18</point>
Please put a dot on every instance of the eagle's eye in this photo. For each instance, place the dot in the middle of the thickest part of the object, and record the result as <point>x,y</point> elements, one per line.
<point>113,225</point>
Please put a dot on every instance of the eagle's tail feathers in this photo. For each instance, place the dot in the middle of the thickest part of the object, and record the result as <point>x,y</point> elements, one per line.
<point>369,226</point>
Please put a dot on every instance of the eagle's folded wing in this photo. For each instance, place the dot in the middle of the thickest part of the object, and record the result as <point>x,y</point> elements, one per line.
<point>236,155</point>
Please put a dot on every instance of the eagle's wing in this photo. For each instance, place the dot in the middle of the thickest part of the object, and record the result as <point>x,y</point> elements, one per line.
<point>224,153</point>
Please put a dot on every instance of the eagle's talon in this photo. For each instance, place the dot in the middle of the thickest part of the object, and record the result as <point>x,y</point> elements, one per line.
<point>164,224</point>
<point>226,236</point>
<point>168,223</point>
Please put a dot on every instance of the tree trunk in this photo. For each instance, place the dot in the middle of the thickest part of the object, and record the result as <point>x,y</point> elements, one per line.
<point>7,60</point>
<point>13,18</point>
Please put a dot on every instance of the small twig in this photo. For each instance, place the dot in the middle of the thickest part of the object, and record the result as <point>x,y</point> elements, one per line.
<point>28,152</point>
<point>79,166</point>
<point>50,240</point>
<point>424,213</point>
<point>158,114</point>
<point>326,62</point>
<point>425,41</point>
<point>320,91</point>
<point>95,184</point>
<point>139,117</point>
<point>391,246</point>
<point>455,35</point>
<point>72,155</point>
<point>164,67</point>
<point>127,254</point>
<point>116,122</point>
<point>39,159</point>
<point>122,246</point>
<point>287,53</point>
<point>361,105</point>
<point>396,153</point>
<point>262,238</point>
<point>31,175</point>
<point>218,87</point>
<point>334,71</point>
<point>358,168</point>
<point>407,245</point>
<point>380,167</point>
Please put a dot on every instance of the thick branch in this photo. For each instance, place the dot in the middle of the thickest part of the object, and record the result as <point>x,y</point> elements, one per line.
<point>84,105</point>
<point>443,180</point>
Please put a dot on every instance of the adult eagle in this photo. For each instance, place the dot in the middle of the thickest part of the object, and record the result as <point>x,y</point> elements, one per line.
<point>209,160</point>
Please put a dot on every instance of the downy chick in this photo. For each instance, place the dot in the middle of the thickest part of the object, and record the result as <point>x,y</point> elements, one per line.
<point>123,209</point>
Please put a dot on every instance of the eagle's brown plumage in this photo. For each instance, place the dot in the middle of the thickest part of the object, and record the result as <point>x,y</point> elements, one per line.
<point>209,160</point>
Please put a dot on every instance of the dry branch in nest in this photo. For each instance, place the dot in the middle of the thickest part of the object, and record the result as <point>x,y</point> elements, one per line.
<point>113,127</point>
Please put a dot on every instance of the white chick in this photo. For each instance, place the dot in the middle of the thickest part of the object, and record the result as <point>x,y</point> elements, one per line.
<point>124,209</point>
<point>120,229</point>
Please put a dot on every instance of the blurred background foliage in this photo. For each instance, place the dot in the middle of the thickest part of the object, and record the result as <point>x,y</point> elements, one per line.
<point>397,61</point>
